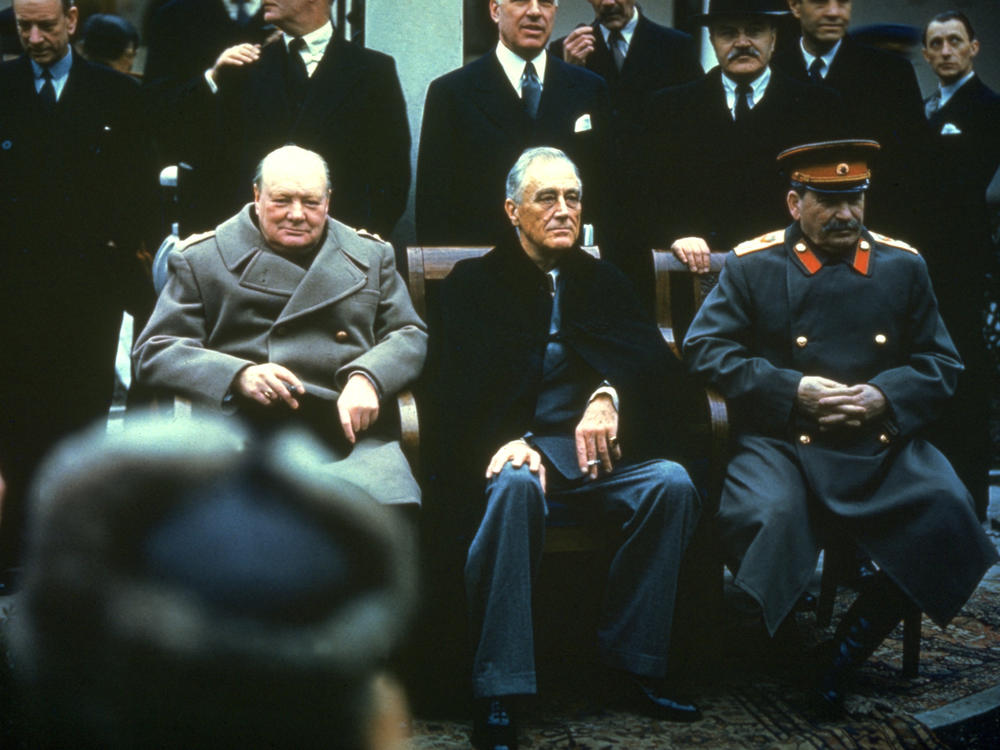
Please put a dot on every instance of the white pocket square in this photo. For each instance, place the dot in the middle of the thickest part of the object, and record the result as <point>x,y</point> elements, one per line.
<point>950,129</point>
<point>582,123</point>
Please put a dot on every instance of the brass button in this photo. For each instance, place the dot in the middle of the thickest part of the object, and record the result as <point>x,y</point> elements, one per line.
<point>801,342</point>
<point>880,339</point>
<point>341,336</point>
<point>800,247</point>
<point>805,439</point>
<point>884,439</point>
<point>864,245</point>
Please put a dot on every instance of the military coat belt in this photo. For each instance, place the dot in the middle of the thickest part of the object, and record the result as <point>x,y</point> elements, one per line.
<point>230,302</point>
<point>781,311</point>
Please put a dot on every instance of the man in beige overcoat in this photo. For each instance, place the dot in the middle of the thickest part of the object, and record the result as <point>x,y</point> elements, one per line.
<point>284,314</point>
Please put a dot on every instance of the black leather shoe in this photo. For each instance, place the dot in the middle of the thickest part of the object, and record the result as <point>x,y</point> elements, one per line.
<point>651,696</point>
<point>493,725</point>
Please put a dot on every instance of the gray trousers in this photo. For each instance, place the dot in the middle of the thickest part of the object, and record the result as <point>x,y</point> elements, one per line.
<point>655,508</point>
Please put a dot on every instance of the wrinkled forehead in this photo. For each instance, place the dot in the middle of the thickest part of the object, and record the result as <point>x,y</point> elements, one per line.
<point>550,174</point>
<point>944,29</point>
<point>304,177</point>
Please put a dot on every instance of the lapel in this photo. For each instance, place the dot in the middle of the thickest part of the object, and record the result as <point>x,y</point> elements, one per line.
<point>959,104</point>
<point>558,91</point>
<point>493,95</point>
<point>843,71</point>
<point>713,98</point>
<point>338,72</point>
<point>601,60</point>
<point>638,51</point>
<point>331,277</point>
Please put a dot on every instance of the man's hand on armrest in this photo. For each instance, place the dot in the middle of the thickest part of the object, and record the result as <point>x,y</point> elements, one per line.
<point>268,384</point>
<point>357,406</point>
<point>693,251</point>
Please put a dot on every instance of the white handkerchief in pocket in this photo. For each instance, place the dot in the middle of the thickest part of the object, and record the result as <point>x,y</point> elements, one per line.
<point>950,128</point>
<point>582,124</point>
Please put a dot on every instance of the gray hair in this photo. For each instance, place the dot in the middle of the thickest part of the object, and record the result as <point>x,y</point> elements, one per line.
<point>516,176</point>
<point>290,151</point>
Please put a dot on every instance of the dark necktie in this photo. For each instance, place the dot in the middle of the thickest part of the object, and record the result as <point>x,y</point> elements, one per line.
<point>241,12</point>
<point>531,90</point>
<point>742,108</point>
<point>298,76</point>
<point>816,70</point>
<point>617,43</point>
<point>48,90</point>
<point>933,104</point>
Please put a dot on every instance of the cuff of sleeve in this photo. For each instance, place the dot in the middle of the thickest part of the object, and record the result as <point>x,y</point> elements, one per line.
<point>608,390</point>
<point>212,85</point>
<point>366,376</point>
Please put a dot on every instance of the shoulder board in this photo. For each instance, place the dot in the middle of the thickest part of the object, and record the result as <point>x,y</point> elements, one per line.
<point>883,240</point>
<point>193,239</point>
<point>368,235</point>
<point>761,243</point>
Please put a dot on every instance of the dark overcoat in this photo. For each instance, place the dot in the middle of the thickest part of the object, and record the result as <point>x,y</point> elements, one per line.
<point>475,128</point>
<point>229,303</point>
<point>711,177</point>
<point>353,115</point>
<point>777,314</point>
<point>881,100</point>
<point>489,344</point>
<point>77,188</point>
<point>185,39</point>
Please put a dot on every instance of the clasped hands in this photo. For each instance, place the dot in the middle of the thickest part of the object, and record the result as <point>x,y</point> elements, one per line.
<point>269,384</point>
<point>834,404</point>
<point>597,445</point>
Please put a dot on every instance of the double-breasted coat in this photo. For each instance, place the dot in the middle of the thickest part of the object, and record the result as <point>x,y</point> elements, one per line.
<point>779,313</point>
<point>229,303</point>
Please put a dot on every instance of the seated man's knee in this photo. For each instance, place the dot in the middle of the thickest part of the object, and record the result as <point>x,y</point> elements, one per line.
<point>675,483</point>
<point>516,486</point>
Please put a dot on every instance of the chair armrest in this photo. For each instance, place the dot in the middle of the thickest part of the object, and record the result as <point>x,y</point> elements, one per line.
<point>409,428</point>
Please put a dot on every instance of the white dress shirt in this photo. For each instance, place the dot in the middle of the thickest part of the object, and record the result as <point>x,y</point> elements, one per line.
<point>513,66</point>
<point>757,88</point>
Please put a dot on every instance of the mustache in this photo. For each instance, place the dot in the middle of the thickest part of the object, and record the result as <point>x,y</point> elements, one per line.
<point>839,225</point>
<point>740,52</point>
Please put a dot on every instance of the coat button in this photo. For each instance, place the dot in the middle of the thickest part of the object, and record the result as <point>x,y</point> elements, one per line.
<point>341,336</point>
<point>801,342</point>
<point>880,339</point>
<point>884,439</point>
<point>805,439</point>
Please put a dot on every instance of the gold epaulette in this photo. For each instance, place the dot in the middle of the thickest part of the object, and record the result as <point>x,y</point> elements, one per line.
<point>883,240</point>
<point>369,235</point>
<point>185,243</point>
<point>760,243</point>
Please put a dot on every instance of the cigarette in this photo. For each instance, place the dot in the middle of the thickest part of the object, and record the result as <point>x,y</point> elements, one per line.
<point>594,462</point>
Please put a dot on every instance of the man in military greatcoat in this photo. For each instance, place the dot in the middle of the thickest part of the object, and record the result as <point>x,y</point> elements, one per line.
<point>826,340</point>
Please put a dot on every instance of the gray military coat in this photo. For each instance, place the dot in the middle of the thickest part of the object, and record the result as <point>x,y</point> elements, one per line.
<point>778,313</point>
<point>229,302</point>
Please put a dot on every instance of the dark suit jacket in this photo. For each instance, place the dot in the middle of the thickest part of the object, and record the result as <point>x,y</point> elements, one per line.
<point>185,39</point>
<point>353,115</point>
<point>78,187</point>
<point>715,178</point>
<point>657,57</point>
<point>489,344</point>
<point>882,100</point>
<point>474,130</point>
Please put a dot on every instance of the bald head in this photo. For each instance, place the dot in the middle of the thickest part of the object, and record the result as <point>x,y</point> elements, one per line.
<point>292,196</point>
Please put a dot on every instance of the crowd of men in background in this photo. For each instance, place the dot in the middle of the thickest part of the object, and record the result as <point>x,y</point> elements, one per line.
<point>670,156</point>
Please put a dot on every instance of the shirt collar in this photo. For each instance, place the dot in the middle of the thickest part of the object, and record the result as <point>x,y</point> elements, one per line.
<point>949,91</point>
<point>316,40</point>
<point>58,69</point>
<point>627,30</point>
<point>513,65</point>
<point>757,87</point>
<point>252,6</point>
<point>827,58</point>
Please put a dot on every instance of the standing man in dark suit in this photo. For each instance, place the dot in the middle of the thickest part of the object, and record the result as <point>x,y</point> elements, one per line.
<point>479,118</point>
<point>636,57</point>
<point>320,92</point>
<point>185,39</point>
<point>881,100</point>
<point>78,187</point>
<point>711,143</point>
<point>964,115</point>
<point>559,398</point>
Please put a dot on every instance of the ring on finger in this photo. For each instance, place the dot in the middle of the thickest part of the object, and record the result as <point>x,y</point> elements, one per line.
<point>594,462</point>
<point>612,439</point>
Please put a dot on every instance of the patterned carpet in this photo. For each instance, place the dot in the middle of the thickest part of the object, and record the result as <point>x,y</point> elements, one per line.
<point>753,691</point>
